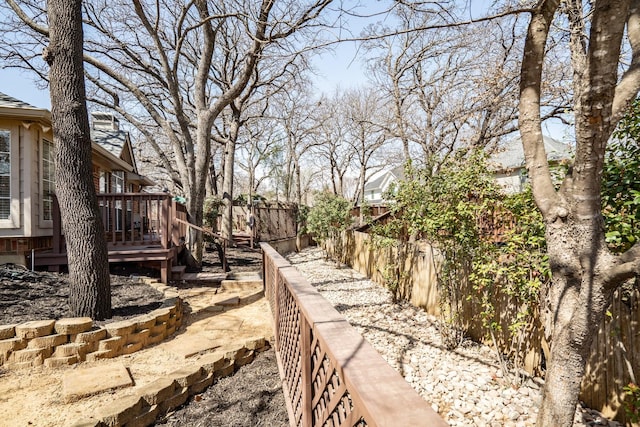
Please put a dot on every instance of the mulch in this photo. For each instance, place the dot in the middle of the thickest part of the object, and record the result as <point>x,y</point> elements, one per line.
<point>251,397</point>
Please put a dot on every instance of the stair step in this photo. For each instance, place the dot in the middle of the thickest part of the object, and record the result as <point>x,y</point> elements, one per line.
<point>177,271</point>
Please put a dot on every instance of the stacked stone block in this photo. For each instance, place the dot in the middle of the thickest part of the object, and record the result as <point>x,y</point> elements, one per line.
<point>173,390</point>
<point>67,341</point>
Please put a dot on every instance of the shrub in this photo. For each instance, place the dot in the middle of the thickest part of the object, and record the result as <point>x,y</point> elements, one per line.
<point>329,214</point>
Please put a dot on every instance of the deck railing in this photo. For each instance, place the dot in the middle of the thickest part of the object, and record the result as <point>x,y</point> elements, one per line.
<point>331,375</point>
<point>134,219</point>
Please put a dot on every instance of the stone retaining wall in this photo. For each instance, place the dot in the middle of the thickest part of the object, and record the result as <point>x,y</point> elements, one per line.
<point>71,340</point>
<point>173,390</point>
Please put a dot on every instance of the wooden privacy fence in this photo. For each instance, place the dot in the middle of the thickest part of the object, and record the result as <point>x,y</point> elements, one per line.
<point>331,375</point>
<point>615,353</point>
<point>269,222</point>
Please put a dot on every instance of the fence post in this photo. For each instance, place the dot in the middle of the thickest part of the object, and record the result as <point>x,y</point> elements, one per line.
<point>275,289</point>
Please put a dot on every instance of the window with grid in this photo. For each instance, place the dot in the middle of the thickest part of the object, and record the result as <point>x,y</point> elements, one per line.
<point>5,174</point>
<point>48,180</point>
<point>117,186</point>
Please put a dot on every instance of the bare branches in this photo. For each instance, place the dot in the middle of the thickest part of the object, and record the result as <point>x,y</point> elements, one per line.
<point>529,119</point>
<point>629,84</point>
<point>27,19</point>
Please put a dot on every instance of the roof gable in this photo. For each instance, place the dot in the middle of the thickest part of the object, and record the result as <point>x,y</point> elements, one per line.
<point>383,181</point>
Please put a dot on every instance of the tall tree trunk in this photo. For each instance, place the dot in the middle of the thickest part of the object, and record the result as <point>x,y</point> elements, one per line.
<point>227,193</point>
<point>227,182</point>
<point>90,293</point>
<point>298,183</point>
<point>574,305</point>
<point>585,273</point>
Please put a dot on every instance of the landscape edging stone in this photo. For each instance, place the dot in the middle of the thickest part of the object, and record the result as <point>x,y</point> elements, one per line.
<point>134,335</point>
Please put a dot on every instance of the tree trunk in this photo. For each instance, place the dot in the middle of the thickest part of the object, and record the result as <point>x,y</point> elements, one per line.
<point>574,305</point>
<point>90,293</point>
<point>297,181</point>
<point>227,185</point>
<point>584,272</point>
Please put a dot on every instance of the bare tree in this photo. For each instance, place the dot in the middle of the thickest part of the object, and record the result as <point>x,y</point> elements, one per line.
<point>585,273</point>
<point>331,137</point>
<point>445,89</point>
<point>90,293</point>
<point>299,116</point>
<point>174,66</point>
<point>366,133</point>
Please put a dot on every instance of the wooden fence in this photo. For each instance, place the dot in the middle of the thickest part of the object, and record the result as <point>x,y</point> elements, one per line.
<point>331,375</point>
<point>267,223</point>
<point>615,354</point>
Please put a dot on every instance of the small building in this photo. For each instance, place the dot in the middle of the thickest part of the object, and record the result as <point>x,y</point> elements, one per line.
<point>508,162</point>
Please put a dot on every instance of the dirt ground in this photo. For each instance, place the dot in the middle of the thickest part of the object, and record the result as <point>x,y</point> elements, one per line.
<point>252,397</point>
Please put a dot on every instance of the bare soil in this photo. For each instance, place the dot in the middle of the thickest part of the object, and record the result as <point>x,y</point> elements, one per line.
<point>251,397</point>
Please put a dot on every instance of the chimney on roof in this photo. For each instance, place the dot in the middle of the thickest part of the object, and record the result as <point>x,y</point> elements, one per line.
<point>104,121</point>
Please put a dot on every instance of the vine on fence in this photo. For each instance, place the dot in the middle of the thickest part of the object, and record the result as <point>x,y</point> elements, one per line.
<point>489,242</point>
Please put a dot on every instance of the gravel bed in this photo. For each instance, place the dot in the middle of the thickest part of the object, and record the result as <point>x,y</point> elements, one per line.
<point>465,386</point>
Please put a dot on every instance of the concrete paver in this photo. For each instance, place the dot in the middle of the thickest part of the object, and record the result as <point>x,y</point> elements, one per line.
<point>87,381</point>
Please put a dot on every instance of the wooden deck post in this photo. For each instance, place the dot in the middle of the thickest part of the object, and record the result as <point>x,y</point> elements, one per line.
<point>165,223</point>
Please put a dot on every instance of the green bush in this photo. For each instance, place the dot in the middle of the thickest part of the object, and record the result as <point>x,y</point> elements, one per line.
<point>329,214</point>
<point>494,240</point>
<point>621,184</point>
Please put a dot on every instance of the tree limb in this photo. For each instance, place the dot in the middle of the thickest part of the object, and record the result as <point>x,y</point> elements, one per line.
<point>621,272</point>
<point>547,199</point>
<point>629,84</point>
<point>27,20</point>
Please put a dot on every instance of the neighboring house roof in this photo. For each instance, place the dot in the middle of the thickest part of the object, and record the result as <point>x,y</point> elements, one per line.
<point>378,183</point>
<point>511,155</point>
<point>111,140</point>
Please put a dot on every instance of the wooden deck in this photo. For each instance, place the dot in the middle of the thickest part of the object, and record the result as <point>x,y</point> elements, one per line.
<point>139,227</point>
<point>161,258</point>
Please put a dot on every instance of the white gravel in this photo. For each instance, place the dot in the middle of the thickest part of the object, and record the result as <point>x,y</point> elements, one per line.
<point>465,386</point>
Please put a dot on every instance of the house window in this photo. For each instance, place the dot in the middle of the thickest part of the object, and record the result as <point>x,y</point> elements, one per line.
<point>48,180</point>
<point>117,186</point>
<point>5,174</point>
<point>102,182</point>
<point>117,182</point>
